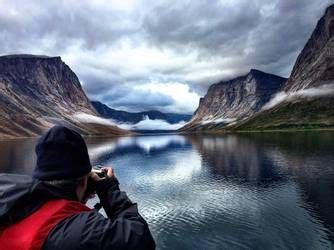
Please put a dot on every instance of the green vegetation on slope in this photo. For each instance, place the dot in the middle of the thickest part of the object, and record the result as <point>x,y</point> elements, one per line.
<point>299,114</point>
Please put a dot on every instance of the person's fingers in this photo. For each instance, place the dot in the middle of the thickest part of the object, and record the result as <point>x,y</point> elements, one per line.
<point>110,171</point>
<point>106,168</point>
<point>94,176</point>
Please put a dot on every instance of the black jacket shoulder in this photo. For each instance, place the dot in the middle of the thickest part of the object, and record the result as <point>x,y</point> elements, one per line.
<point>123,229</point>
<point>91,230</point>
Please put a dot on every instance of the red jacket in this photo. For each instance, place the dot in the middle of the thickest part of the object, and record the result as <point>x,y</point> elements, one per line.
<point>36,215</point>
<point>31,232</point>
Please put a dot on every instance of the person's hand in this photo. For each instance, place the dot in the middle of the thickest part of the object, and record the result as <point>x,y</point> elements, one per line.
<point>109,171</point>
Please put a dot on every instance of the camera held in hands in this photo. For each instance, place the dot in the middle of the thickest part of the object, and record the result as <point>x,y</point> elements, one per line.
<point>91,183</point>
<point>100,172</point>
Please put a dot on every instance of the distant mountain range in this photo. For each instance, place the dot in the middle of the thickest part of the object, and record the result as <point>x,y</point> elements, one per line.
<point>131,117</point>
<point>261,101</point>
<point>37,92</point>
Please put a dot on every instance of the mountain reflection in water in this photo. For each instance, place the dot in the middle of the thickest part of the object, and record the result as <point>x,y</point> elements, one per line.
<point>266,190</point>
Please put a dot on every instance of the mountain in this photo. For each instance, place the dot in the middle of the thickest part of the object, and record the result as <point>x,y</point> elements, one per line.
<point>310,88</point>
<point>40,91</point>
<point>315,63</point>
<point>129,117</point>
<point>306,100</point>
<point>239,98</point>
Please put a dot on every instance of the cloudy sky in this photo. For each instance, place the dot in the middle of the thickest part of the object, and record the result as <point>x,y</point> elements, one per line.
<point>159,54</point>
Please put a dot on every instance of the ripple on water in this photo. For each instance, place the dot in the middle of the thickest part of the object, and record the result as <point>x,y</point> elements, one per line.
<point>214,199</point>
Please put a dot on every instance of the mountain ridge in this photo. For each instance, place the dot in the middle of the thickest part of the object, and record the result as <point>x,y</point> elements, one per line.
<point>314,63</point>
<point>38,92</point>
<point>135,117</point>
<point>305,100</point>
<point>313,72</point>
<point>238,98</point>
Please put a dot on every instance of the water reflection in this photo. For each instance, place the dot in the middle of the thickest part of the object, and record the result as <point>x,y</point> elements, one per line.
<point>237,158</point>
<point>244,191</point>
<point>306,159</point>
<point>99,148</point>
<point>17,156</point>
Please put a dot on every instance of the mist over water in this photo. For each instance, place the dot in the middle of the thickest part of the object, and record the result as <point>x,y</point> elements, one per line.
<point>258,191</point>
<point>145,124</point>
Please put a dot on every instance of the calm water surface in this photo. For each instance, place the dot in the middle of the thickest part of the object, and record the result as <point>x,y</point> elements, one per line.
<point>249,191</point>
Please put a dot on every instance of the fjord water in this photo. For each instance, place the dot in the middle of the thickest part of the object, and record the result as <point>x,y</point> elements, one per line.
<point>246,191</point>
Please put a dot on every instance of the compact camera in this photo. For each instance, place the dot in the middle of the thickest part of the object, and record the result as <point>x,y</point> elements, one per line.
<point>101,173</point>
<point>91,184</point>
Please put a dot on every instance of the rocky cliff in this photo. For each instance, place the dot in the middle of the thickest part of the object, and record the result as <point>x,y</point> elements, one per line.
<point>38,92</point>
<point>315,64</point>
<point>306,100</point>
<point>309,90</point>
<point>236,99</point>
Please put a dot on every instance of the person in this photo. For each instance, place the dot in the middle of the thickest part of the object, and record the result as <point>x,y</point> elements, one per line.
<point>49,213</point>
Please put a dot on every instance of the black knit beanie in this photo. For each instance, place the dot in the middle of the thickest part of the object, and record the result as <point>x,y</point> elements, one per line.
<point>61,154</point>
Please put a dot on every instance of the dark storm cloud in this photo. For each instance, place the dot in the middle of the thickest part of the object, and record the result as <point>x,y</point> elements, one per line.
<point>118,48</point>
<point>200,24</point>
<point>24,23</point>
<point>257,34</point>
<point>124,98</point>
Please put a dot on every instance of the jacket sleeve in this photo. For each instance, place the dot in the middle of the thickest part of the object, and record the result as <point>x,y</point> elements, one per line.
<point>123,229</point>
<point>114,201</point>
<point>132,230</point>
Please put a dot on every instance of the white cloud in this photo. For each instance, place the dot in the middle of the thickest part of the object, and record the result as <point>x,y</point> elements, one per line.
<point>148,124</point>
<point>124,5</point>
<point>216,120</point>
<point>88,118</point>
<point>277,99</point>
<point>323,90</point>
<point>185,100</point>
<point>145,124</point>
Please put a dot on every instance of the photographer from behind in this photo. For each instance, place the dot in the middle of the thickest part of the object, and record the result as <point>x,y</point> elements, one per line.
<point>52,215</point>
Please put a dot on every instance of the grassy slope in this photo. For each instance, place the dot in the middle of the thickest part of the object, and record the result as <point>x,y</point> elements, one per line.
<point>300,114</point>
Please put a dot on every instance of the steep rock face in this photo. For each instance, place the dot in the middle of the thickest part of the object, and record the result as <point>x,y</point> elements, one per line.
<point>314,68</point>
<point>38,92</point>
<point>236,99</point>
<point>43,80</point>
<point>310,97</point>
<point>131,117</point>
<point>315,64</point>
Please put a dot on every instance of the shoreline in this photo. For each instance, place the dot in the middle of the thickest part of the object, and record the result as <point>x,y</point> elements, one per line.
<point>199,133</point>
